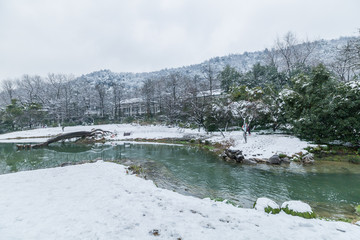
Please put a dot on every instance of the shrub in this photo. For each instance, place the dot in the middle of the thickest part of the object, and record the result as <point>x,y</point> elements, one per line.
<point>325,147</point>
<point>354,159</point>
<point>357,209</point>
<point>267,205</point>
<point>300,214</point>
<point>298,208</point>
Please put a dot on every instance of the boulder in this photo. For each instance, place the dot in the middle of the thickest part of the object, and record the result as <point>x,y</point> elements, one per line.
<point>223,155</point>
<point>234,155</point>
<point>267,205</point>
<point>231,153</point>
<point>285,160</point>
<point>239,157</point>
<point>308,159</point>
<point>298,208</point>
<point>275,159</point>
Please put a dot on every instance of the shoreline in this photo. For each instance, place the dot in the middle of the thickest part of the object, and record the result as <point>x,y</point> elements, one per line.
<point>101,200</point>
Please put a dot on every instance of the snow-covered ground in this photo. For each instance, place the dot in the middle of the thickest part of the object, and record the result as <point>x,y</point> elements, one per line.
<point>257,145</point>
<point>101,201</point>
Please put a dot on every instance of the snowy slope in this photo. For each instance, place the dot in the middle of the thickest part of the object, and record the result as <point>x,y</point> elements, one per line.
<point>325,51</point>
<point>101,201</point>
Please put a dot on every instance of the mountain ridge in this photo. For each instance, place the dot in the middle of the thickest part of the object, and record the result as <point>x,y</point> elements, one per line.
<point>325,52</point>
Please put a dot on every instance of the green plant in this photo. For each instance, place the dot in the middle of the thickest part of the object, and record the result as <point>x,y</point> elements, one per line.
<point>271,210</point>
<point>282,155</point>
<point>357,209</point>
<point>325,147</point>
<point>300,214</point>
<point>220,199</point>
<point>136,169</point>
<point>354,159</point>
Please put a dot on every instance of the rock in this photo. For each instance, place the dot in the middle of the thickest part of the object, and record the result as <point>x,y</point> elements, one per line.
<point>239,157</point>
<point>267,205</point>
<point>308,159</point>
<point>275,159</point>
<point>285,160</point>
<point>234,155</point>
<point>249,161</point>
<point>298,208</point>
<point>233,151</point>
<point>358,223</point>
<point>230,153</point>
<point>260,160</point>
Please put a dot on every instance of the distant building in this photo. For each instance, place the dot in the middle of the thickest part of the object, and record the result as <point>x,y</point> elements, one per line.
<point>137,106</point>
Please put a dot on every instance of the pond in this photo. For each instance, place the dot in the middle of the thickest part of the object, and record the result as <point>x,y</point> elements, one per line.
<point>331,188</point>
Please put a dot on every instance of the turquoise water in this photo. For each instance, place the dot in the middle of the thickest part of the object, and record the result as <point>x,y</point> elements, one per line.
<point>332,189</point>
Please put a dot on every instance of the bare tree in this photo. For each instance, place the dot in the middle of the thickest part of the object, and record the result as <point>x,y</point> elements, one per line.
<point>33,89</point>
<point>118,95</point>
<point>289,54</point>
<point>210,76</point>
<point>100,88</point>
<point>148,93</point>
<point>8,87</point>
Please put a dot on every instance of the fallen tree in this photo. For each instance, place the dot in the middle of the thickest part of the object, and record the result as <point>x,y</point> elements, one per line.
<point>91,136</point>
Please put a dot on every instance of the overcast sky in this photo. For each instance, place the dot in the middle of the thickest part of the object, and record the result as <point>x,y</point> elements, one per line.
<point>81,36</point>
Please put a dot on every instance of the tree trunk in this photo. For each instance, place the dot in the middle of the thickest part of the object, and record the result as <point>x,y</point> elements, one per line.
<point>79,134</point>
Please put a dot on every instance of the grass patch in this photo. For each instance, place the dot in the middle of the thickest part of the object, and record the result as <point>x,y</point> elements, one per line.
<point>219,199</point>
<point>335,153</point>
<point>136,169</point>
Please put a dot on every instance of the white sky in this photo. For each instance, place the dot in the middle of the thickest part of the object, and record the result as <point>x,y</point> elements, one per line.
<point>81,36</point>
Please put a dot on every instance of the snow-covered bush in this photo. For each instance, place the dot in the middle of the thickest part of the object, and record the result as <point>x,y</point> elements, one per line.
<point>267,205</point>
<point>298,208</point>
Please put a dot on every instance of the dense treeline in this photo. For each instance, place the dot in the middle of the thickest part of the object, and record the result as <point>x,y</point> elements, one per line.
<point>291,91</point>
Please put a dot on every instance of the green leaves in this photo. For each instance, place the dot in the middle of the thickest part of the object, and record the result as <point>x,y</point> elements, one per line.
<point>322,109</point>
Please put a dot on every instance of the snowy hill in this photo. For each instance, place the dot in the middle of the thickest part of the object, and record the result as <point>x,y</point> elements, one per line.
<point>324,52</point>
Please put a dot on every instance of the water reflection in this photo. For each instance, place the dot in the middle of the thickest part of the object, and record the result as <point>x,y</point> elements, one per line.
<point>330,188</point>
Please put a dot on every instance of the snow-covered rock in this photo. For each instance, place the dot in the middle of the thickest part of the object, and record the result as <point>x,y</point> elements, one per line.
<point>298,208</point>
<point>267,205</point>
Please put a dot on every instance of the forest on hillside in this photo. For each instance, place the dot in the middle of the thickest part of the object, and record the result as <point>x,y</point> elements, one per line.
<point>288,89</point>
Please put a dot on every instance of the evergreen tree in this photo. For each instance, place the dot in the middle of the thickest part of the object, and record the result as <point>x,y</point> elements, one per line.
<point>228,77</point>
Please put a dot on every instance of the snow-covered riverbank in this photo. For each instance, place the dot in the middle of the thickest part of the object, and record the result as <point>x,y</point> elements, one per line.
<point>257,145</point>
<point>102,201</point>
